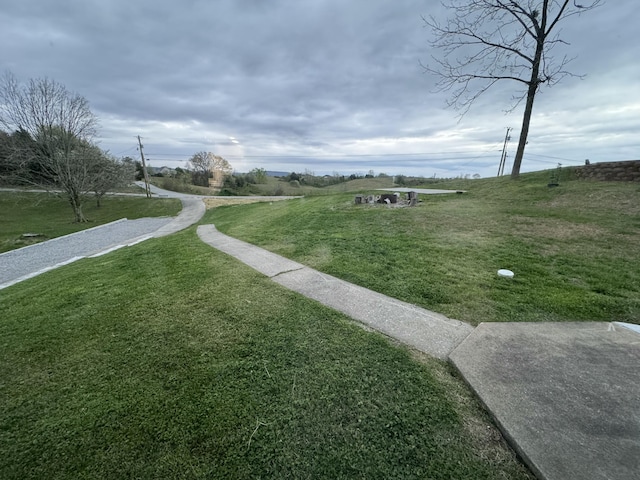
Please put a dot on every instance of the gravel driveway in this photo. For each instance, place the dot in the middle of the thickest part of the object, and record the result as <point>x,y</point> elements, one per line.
<point>23,263</point>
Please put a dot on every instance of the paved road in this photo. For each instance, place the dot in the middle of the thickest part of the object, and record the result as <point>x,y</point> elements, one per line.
<point>21,264</point>
<point>27,262</point>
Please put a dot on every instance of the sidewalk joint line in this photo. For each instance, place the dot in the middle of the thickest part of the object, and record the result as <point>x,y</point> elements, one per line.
<point>288,271</point>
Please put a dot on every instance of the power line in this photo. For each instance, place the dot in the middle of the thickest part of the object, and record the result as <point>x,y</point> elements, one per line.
<point>549,156</point>
<point>503,157</point>
<point>336,155</point>
<point>126,150</point>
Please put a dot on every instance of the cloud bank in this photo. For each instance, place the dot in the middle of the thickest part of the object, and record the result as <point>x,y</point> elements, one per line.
<point>320,85</point>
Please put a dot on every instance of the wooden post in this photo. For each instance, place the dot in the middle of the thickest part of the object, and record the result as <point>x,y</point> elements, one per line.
<point>147,189</point>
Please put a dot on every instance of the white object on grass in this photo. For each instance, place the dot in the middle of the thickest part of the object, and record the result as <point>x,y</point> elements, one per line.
<point>505,273</point>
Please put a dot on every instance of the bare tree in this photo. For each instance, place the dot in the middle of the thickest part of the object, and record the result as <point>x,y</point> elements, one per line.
<point>13,160</point>
<point>72,165</point>
<point>56,127</point>
<point>260,175</point>
<point>111,173</point>
<point>485,41</point>
<point>204,164</point>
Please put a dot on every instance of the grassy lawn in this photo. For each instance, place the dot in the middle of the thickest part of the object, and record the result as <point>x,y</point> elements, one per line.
<point>51,216</point>
<point>171,360</point>
<point>575,249</point>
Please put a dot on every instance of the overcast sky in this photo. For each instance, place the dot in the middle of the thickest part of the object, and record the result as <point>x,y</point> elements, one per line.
<point>320,85</point>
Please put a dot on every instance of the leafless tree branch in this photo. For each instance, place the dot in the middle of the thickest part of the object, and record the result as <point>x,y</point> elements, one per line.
<point>485,41</point>
<point>53,129</point>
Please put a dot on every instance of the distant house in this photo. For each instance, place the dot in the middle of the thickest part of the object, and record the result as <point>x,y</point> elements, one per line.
<point>167,172</point>
<point>217,179</point>
<point>164,171</point>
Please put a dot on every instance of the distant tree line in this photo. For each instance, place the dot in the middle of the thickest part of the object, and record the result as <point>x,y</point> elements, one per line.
<point>309,179</point>
<point>244,183</point>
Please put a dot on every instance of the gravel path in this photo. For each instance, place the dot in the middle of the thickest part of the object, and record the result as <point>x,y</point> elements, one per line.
<point>23,263</point>
<point>27,262</point>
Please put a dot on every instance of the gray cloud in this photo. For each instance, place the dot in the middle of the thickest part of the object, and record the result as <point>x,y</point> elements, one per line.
<point>315,83</point>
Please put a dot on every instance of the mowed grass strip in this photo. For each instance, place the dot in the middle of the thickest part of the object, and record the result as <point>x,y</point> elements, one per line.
<point>575,249</point>
<point>171,360</point>
<point>50,216</point>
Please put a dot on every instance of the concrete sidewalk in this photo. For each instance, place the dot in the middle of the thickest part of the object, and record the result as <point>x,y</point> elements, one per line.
<point>426,331</point>
<point>565,395</point>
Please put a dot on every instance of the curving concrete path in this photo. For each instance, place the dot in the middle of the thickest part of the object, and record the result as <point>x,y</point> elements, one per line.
<point>427,331</point>
<point>24,263</point>
<point>565,395</point>
<point>27,262</point>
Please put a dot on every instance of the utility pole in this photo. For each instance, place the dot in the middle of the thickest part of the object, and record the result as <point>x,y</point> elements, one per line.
<point>147,189</point>
<point>503,157</point>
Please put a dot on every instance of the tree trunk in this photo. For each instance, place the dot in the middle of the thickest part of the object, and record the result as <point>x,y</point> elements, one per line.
<point>76,204</point>
<point>534,82</point>
<point>524,131</point>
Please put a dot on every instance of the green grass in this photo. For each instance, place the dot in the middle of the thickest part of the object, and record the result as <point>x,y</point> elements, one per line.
<point>275,186</point>
<point>51,216</point>
<point>574,248</point>
<point>171,360</point>
<point>178,185</point>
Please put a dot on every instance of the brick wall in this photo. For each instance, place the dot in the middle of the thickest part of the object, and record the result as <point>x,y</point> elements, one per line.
<point>628,171</point>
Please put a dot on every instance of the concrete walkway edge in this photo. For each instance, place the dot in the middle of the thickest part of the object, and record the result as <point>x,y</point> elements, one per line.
<point>564,395</point>
<point>427,331</point>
